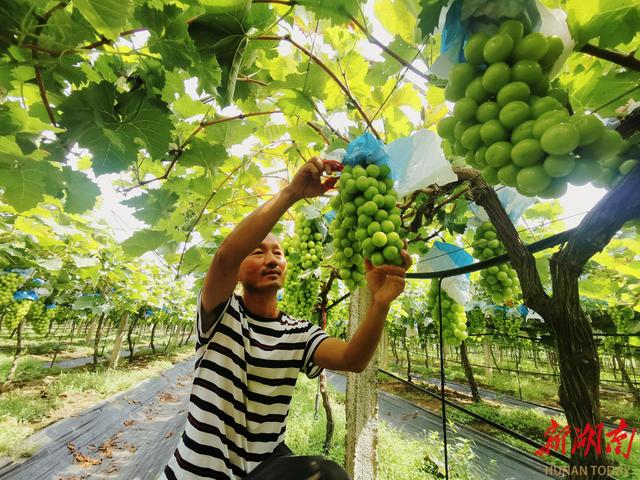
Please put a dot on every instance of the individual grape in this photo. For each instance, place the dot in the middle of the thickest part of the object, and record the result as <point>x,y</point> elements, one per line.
<point>454,320</point>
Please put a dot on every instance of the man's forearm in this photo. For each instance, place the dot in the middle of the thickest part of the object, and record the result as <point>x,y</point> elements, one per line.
<point>363,344</point>
<point>251,231</point>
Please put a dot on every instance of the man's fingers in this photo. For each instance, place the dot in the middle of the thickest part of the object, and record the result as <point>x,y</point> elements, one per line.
<point>408,261</point>
<point>332,166</point>
<point>330,183</point>
<point>392,270</point>
<point>315,168</point>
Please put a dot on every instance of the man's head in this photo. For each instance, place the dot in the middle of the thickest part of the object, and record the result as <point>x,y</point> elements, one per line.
<point>264,268</point>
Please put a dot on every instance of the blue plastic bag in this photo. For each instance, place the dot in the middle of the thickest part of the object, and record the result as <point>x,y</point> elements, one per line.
<point>26,295</point>
<point>445,256</point>
<point>366,150</point>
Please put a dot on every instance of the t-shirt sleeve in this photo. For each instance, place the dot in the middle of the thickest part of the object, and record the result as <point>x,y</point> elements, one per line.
<point>216,315</point>
<point>316,336</point>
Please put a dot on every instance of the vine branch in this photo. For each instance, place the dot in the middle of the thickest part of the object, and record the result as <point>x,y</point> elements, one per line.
<point>321,64</point>
<point>628,61</point>
<point>199,217</point>
<point>180,150</point>
<point>319,131</point>
<point>388,51</point>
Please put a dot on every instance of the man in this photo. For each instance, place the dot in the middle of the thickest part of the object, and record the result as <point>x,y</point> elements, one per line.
<point>250,353</point>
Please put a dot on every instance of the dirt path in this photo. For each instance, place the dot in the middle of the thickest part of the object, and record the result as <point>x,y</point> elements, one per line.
<point>128,436</point>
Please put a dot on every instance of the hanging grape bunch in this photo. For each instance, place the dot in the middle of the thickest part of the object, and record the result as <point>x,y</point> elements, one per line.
<point>501,281</point>
<point>454,324</point>
<point>15,313</point>
<point>510,124</point>
<point>309,243</point>
<point>367,223</point>
<point>38,318</point>
<point>304,253</point>
<point>505,324</point>
<point>622,317</point>
<point>9,283</point>
<point>477,321</point>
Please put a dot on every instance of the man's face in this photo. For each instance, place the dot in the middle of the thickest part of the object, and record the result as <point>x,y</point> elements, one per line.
<point>264,267</point>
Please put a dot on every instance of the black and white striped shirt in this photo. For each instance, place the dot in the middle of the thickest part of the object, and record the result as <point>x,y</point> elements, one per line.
<point>245,374</point>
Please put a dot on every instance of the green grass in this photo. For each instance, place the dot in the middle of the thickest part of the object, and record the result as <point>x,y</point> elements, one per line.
<point>400,456</point>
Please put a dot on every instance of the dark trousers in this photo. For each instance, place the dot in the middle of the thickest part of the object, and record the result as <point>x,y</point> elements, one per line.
<point>284,465</point>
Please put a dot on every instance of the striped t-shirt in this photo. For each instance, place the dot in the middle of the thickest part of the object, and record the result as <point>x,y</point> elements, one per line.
<point>245,374</point>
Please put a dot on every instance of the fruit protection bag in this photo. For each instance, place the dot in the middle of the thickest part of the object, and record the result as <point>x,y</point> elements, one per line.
<point>465,17</point>
<point>415,161</point>
<point>25,295</point>
<point>445,256</point>
<point>418,161</point>
<point>513,203</point>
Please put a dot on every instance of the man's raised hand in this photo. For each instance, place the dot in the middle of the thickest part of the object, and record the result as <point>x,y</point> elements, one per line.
<point>307,182</point>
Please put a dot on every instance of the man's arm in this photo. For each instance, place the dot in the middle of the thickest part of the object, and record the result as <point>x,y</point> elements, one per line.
<point>386,283</point>
<point>222,276</point>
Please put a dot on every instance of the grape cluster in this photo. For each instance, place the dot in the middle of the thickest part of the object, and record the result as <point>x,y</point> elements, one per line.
<point>622,317</point>
<point>9,283</point>
<point>509,123</point>
<point>506,325</point>
<point>367,223</point>
<point>501,282</point>
<point>15,313</point>
<point>477,320</point>
<point>307,242</point>
<point>39,317</point>
<point>454,324</point>
<point>300,292</point>
<point>301,288</point>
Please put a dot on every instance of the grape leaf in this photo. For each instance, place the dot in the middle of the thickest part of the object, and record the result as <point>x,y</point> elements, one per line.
<point>398,17</point>
<point>613,23</point>
<point>337,12</point>
<point>111,126</point>
<point>169,36</point>
<point>153,205</point>
<point>23,180</point>
<point>81,191</point>
<point>108,17</point>
<point>204,154</point>
<point>143,241</point>
<point>430,15</point>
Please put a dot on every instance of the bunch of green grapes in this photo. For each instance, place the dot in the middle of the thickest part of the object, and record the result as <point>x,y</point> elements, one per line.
<point>15,313</point>
<point>454,319</point>
<point>9,283</point>
<point>506,325</point>
<point>38,318</point>
<point>509,123</point>
<point>477,320</point>
<point>307,242</point>
<point>622,317</point>
<point>301,288</point>
<point>300,292</point>
<point>501,282</point>
<point>367,222</point>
